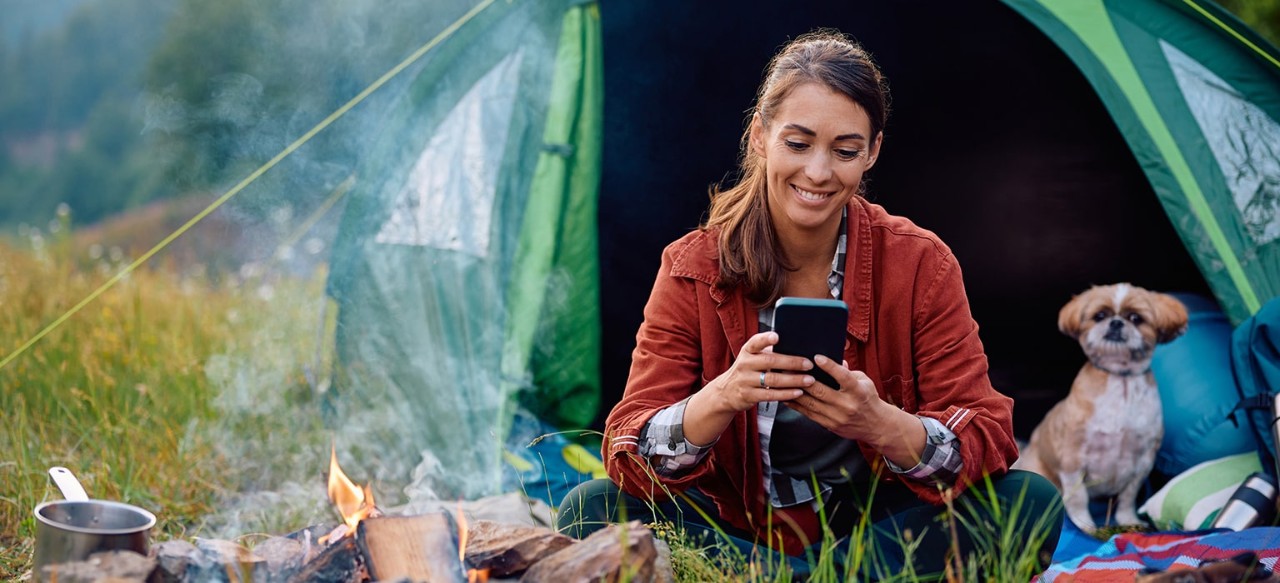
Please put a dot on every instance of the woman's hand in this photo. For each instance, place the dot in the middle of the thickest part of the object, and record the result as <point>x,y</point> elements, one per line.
<point>855,411</point>
<point>752,379</point>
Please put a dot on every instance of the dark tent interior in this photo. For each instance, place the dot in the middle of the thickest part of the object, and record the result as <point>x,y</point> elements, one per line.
<point>996,142</point>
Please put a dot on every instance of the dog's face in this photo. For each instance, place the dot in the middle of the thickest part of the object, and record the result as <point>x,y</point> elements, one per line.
<point>1119,325</point>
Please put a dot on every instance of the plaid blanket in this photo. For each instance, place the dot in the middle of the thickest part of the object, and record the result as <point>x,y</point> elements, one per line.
<point>1126,555</point>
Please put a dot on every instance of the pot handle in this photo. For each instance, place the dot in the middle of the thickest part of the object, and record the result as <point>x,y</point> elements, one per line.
<point>68,484</point>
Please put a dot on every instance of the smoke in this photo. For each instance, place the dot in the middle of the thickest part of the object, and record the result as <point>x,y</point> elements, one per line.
<point>407,380</point>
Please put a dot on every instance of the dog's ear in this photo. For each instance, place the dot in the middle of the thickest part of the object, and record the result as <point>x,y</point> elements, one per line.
<point>1070,320</point>
<point>1170,317</point>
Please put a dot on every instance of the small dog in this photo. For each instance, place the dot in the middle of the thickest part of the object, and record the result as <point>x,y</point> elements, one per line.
<point>1103,438</point>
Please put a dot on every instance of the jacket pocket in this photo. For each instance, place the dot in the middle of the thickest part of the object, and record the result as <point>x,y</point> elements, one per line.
<point>901,392</point>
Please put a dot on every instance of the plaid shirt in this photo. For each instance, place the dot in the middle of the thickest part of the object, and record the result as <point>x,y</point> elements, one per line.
<point>662,441</point>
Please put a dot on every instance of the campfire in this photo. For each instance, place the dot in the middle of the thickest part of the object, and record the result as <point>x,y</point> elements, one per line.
<point>372,545</point>
<point>353,503</point>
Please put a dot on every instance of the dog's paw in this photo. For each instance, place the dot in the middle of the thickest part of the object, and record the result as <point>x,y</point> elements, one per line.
<point>1084,522</point>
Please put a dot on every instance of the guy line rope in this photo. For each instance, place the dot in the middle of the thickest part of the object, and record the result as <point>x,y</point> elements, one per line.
<point>338,113</point>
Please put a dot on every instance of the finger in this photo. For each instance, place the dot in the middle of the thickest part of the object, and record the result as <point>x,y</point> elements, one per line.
<point>765,395</point>
<point>759,342</point>
<point>771,360</point>
<point>777,380</point>
<point>838,372</point>
<point>813,409</point>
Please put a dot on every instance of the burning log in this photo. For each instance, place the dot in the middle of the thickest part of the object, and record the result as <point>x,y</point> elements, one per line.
<point>418,548</point>
<point>339,562</point>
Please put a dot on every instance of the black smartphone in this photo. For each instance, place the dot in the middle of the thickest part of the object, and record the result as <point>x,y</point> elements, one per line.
<point>808,327</point>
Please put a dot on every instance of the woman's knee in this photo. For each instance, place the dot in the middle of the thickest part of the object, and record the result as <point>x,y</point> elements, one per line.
<point>587,507</point>
<point>1036,503</point>
<point>1037,493</point>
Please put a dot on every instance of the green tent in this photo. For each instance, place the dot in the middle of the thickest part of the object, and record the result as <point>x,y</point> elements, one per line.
<point>1196,95</point>
<point>465,269</point>
<point>468,278</point>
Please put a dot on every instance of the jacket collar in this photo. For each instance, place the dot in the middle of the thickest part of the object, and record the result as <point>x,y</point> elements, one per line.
<point>857,270</point>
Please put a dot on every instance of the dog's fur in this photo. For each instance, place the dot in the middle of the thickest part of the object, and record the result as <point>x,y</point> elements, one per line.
<point>1102,439</point>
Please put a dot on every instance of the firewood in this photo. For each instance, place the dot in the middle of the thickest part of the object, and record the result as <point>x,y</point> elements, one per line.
<point>509,549</point>
<point>338,563</point>
<point>418,548</point>
<point>619,552</point>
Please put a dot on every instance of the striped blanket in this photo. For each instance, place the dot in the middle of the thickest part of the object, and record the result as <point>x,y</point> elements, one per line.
<point>1125,555</point>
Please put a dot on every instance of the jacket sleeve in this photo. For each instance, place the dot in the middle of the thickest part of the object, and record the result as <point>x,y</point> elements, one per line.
<point>666,367</point>
<point>952,381</point>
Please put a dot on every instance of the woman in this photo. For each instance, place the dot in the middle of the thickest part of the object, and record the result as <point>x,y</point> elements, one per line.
<point>714,422</point>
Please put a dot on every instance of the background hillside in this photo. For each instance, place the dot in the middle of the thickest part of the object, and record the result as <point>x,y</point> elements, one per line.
<point>109,105</point>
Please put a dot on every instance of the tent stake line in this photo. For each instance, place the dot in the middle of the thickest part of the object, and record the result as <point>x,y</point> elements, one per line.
<point>253,176</point>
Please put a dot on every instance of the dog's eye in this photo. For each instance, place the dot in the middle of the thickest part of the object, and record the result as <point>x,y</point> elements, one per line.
<point>1100,316</point>
<point>1135,317</point>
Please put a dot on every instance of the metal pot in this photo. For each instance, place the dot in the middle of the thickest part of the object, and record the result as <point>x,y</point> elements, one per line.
<point>72,529</point>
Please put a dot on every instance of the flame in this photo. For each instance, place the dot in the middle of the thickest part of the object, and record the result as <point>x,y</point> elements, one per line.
<point>464,533</point>
<point>353,502</point>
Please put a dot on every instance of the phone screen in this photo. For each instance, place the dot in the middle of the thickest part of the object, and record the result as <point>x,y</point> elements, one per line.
<point>808,327</point>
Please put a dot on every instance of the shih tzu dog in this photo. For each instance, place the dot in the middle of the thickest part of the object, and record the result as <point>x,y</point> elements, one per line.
<point>1102,439</point>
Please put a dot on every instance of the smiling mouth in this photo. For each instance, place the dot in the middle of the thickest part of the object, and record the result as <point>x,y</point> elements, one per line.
<point>810,196</point>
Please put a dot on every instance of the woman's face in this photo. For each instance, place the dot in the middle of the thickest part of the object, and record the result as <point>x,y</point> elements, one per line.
<point>815,150</point>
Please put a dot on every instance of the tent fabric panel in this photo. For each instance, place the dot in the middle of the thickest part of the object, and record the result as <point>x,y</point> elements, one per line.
<point>1205,92</point>
<point>554,330</point>
<point>1219,92</point>
<point>421,328</point>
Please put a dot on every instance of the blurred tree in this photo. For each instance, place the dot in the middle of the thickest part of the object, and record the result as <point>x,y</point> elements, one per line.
<point>65,91</point>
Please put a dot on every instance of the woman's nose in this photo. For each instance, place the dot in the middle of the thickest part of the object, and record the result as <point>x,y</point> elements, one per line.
<point>818,168</point>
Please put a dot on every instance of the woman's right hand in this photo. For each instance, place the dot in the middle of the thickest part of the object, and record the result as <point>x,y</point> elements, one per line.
<point>759,374</point>
<point>752,379</point>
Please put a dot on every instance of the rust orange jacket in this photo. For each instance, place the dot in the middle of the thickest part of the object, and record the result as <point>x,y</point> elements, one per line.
<point>909,329</point>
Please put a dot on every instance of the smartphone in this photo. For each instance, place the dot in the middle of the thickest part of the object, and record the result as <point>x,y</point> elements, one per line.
<point>808,327</point>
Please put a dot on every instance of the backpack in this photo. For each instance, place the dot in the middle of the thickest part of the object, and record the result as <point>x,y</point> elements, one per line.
<point>1255,363</point>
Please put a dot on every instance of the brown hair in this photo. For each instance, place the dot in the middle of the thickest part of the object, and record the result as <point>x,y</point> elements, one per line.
<point>749,255</point>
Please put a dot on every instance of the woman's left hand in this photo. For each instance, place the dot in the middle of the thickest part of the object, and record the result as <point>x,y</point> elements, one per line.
<point>854,410</point>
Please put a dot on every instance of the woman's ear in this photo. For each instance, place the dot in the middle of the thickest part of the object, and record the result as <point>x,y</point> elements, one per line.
<point>874,153</point>
<point>757,135</point>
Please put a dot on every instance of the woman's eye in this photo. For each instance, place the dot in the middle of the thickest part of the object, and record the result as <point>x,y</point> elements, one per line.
<point>1135,318</point>
<point>848,154</point>
<point>796,146</point>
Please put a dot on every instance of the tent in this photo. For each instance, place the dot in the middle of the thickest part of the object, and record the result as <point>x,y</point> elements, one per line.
<point>497,250</point>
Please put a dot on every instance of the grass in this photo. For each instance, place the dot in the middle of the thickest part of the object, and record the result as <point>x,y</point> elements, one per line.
<point>123,393</point>
<point>184,391</point>
<point>998,554</point>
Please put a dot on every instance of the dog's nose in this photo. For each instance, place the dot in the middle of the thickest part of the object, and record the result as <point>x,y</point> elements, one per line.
<point>1117,324</point>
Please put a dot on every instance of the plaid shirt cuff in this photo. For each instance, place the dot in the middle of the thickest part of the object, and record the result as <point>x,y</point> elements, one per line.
<point>663,443</point>
<point>940,461</point>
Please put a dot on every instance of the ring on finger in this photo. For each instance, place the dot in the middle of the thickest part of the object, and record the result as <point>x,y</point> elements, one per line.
<point>762,385</point>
